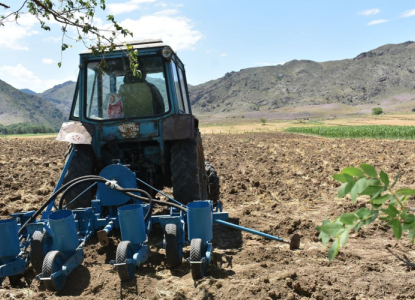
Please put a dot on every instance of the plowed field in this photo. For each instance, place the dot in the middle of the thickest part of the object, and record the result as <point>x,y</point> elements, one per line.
<point>274,182</point>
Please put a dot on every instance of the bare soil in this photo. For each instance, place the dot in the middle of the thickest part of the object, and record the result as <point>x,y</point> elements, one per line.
<point>274,182</point>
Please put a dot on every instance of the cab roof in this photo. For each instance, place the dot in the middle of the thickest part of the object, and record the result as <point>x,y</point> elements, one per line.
<point>138,44</point>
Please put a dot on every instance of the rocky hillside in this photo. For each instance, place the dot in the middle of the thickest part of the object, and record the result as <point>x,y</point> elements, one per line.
<point>386,71</point>
<point>61,96</point>
<point>19,107</point>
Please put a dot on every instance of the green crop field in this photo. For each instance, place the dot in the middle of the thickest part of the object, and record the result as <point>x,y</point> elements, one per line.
<point>372,131</point>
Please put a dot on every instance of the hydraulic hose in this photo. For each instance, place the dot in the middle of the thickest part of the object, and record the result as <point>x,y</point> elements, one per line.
<point>130,191</point>
<point>148,199</point>
<point>96,179</point>
<point>50,199</point>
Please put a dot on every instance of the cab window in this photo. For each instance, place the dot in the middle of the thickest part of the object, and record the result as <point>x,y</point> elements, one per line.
<point>115,93</point>
<point>177,87</point>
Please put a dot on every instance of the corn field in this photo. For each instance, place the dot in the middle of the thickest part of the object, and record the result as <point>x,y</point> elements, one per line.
<point>375,131</point>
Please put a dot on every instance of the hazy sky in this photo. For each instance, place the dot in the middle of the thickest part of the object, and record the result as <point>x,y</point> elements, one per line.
<point>213,37</point>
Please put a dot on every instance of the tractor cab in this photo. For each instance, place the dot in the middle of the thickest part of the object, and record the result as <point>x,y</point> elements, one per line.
<point>144,121</point>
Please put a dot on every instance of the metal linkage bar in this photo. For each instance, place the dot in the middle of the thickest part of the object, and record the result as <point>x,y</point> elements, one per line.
<point>76,198</point>
<point>160,192</point>
<point>60,181</point>
<point>268,236</point>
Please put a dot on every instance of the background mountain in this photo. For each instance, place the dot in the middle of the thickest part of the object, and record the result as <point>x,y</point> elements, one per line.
<point>27,91</point>
<point>300,88</point>
<point>366,79</point>
<point>19,107</point>
<point>61,96</point>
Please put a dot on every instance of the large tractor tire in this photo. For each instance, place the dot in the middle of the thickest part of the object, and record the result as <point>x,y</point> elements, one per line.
<point>213,183</point>
<point>81,165</point>
<point>188,170</point>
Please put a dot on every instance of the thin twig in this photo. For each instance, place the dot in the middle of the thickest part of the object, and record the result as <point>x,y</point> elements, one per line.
<point>4,5</point>
<point>405,259</point>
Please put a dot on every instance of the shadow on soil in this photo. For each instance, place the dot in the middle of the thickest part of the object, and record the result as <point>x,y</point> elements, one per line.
<point>76,282</point>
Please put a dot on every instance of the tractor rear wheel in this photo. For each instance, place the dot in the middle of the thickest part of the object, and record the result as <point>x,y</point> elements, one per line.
<point>81,165</point>
<point>213,183</point>
<point>188,170</point>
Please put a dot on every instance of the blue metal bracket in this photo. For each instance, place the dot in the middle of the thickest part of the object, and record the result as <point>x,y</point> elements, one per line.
<point>60,181</point>
<point>13,268</point>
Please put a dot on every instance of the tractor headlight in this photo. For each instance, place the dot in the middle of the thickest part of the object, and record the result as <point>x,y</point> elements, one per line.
<point>167,53</point>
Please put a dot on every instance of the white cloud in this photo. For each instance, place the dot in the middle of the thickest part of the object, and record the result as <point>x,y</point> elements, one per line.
<point>369,12</point>
<point>48,61</point>
<point>162,4</point>
<point>223,55</point>
<point>408,13</point>
<point>129,6</point>
<point>209,51</point>
<point>12,33</point>
<point>166,12</point>
<point>168,25</point>
<point>52,39</point>
<point>19,77</point>
<point>377,22</point>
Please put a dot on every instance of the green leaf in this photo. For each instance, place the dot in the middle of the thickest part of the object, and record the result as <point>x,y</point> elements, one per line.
<point>374,182</point>
<point>344,236</point>
<point>360,185</point>
<point>357,227</point>
<point>333,229</point>
<point>371,190</point>
<point>334,249</point>
<point>396,180</point>
<point>363,212</point>
<point>407,218</point>
<point>406,192</point>
<point>391,211</point>
<point>343,177</point>
<point>375,214</point>
<point>344,189</point>
<point>325,238</point>
<point>352,171</point>
<point>381,199</point>
<point>408,226</point>
<point>348,218</point>
<point>385,178</point>
<point>397,228</point>
<point>369,170</point>
<point>412,235</point>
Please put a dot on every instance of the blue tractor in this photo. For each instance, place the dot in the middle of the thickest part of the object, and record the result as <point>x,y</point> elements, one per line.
<point>144,121</point>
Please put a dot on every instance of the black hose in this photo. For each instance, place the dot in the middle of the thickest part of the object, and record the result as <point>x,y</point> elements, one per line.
<point>50,199</point>
<point>128,192</point>
<point>66,187</point>
<point>95,179</point>
<point>104,180</point>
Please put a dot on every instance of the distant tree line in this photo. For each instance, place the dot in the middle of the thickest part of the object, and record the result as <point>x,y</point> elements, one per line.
<point>22,128</point>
